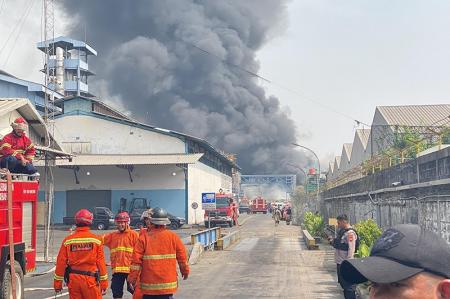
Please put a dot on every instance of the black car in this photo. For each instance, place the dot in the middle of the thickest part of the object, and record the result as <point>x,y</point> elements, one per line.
<point>176,222</point>
<point>103,218</point>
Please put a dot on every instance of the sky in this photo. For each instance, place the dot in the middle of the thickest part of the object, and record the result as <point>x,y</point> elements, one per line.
<point>331,58</point>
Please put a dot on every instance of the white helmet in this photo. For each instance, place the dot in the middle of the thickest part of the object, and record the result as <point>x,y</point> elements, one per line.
<point>147,214</point>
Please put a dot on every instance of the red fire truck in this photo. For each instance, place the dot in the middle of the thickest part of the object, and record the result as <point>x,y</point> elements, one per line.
<point>258,205</point>
<point>226,212</point>
<point>20,223</point>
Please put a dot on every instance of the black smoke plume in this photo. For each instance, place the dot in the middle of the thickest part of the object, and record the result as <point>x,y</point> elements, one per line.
<point>149,60</point>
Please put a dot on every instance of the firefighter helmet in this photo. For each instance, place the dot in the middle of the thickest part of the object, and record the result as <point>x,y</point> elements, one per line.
<point>19,123</point>
<point>122,217</point>
<point>160,217</point>
<point>84,217</point>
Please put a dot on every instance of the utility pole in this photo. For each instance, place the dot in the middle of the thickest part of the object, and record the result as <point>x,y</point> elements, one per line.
<point>49,36</point>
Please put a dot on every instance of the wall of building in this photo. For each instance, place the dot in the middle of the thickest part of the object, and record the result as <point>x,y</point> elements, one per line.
<point>110,137</point>
<point>202,179</point>
<point>359,154</point>
<point>154,182</point>
<point>421,195</point>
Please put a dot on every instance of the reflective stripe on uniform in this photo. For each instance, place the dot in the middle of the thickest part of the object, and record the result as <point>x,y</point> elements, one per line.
<point>159,286</point>
<point>57,277</point>
<point>159,256</point>
<point>135,267</point>
<point>5,145</point>
<point>104,277</point>
<point>82,240</point>
<point>122,248</point>
<point>30,146</point>
<point>121,268</point>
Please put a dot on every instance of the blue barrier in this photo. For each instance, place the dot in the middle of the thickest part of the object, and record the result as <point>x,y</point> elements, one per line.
<point>207,237</point>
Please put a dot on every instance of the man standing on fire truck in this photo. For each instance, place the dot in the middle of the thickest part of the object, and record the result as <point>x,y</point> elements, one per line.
<point>155,259</point>
<point>121,244</point>
<point>81,262</point>
<point>16,150</point>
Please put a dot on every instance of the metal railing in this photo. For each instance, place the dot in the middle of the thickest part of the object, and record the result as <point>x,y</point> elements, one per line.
<point>208,237</point>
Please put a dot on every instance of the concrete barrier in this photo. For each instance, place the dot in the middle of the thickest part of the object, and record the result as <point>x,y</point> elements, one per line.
<point>227,240</point>
<point>309,240</point>
<point>196,253</point>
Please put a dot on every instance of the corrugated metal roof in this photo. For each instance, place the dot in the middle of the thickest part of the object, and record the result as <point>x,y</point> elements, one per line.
<point>103,160</point>
<point>363,135</point>
<point>416,115</point>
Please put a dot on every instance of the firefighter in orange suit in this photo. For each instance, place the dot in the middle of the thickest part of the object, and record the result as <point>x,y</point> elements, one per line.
<point>145,218</point>
<point>81,262</point>
<point>121,244</point>
<point>155,259</point>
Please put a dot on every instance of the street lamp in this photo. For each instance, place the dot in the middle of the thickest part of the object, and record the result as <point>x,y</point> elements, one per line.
<point>318,162</point>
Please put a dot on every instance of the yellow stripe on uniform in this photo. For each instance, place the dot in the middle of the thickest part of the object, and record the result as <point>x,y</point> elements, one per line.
<point>121,268</point>
<point>104,277</point>
<point>122,248</point>
<point>159,256</point>
<point>5,145</point>
<point>159,286</point>
<point>30,146</point>
<point>57,277</point>
<point>135,267</point>
<point>82,240</point>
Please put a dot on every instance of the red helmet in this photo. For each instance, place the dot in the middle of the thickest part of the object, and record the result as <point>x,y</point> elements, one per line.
<point>19,123</point>
<point>83,216</point>
<point>122,217</point>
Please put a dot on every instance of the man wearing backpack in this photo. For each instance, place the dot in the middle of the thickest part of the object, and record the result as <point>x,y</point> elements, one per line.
<point>345,244</point>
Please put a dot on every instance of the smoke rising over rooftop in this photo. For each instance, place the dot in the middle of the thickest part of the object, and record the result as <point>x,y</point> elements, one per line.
<point>149,63</point>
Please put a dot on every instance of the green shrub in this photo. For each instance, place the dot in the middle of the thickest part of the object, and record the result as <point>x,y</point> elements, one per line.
<point>314,224</point>
<point>368,232</point>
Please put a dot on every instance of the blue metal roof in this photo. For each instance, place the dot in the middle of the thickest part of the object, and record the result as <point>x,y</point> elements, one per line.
<point>67,43</point>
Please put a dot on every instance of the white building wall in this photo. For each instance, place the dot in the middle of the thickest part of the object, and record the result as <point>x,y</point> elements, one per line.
<point>381,133</point>
<point>98,136</point>
<point>203,178</point>
<point>114,178</point>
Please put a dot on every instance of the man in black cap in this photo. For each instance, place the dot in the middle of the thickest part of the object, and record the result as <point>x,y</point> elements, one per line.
<point>406,262</point>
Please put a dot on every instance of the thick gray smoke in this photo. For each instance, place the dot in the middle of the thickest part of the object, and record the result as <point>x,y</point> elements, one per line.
<point>148,61</point>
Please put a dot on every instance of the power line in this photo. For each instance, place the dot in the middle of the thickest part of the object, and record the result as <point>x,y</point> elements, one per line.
<point>358,122</point>
<point>25,13</point>
<point>19,32</point>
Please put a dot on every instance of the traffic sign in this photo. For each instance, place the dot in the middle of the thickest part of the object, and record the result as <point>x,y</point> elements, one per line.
<point>194,205</point>
<point>209,201</point>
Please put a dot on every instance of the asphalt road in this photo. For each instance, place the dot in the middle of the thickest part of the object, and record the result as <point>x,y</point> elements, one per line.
<point>269,262</point>
<point>41,287</point>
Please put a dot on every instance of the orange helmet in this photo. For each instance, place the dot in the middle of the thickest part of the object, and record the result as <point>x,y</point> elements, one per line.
<point>122,217</point>
<point>83,216</point>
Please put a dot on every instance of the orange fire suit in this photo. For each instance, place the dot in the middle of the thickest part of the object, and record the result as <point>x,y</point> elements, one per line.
<point>121,245</point>
<point>82,251</point>
<point>137,294</point>
<point>155,262</point>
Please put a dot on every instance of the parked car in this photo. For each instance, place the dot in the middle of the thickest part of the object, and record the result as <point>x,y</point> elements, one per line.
<point>176,222</point>
<point>103,218</point>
